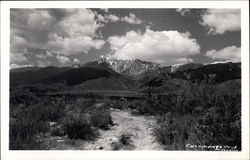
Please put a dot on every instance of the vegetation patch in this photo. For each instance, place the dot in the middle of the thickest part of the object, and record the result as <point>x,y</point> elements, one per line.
<point>201,115</point>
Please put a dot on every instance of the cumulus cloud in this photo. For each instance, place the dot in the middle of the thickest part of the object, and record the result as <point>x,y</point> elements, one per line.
<point>73,45</point>
<point>165,47</point>
<point>131,19</point>
<point>41,56</point>
<point>57,31</point>
<point>40,20</point>
<point>113,18</point>
<point>17,44</point>
<point>62,59</point>
<point>13,66</point>
<point>219,21</point>
<point>17,58</point>
<point>49,54</point>
<point>42,63</point>
<point>79,22</point>
<point>182,11</point>
<point>231,53</point>
<point>76,60</point>
<point>109,17</point>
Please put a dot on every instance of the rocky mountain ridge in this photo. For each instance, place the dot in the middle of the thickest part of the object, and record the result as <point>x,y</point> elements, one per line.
<point>112,74</point>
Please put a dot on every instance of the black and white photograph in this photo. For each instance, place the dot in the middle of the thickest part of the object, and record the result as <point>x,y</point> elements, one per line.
<point>125,79</point>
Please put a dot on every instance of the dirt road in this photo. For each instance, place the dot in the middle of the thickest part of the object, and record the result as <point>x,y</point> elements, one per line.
<point>140,128</point>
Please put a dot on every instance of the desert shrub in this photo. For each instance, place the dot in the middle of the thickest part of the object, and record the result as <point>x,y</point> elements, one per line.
<point>156,104</point>
<point>123,141</point>
<point>125,138</point>
<point>117,104</point>
<point>22,133</point>
<point>172,132</point>
<point>58,131</point>
<point>221,124</point>
<point>83,117</point>
<point>31,119</point>
<point>19,95</point>
<point>202,115</point>
<point>116,145</point>
<point>101,118</point>
<point>46,111</point>
<point>98,116</point>
<point>80,105</point>
<point>78,127</point>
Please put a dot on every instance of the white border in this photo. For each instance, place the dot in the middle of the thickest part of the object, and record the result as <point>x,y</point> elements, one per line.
<point>111,155</point>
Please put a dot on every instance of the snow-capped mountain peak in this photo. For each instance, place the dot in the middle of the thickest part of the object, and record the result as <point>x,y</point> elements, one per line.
<point>130,67</point>
<point>217,62</point>
<point>185,66</point>
<point>175,67</point>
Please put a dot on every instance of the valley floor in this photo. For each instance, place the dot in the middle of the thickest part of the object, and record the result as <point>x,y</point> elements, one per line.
<point>139,127</point>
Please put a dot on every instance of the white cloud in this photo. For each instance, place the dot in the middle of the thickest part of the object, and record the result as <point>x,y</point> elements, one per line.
<point>17,58</point>
<point>41,56</point>
<point>131,19</point>
<point>13,66</point>
<point>113,18</point>
<point>80,22</point>
<point>74,45</point>
<point>107,18</point>
<point>75,31</point>
<point>49,54</point>
<point>231,53</point>
<point>165,47</point>
<point>79,30</point>
<point>102,18</point>
<point>182,11</point>
<point>62,59</point>
<point>76,60</point>
<point>40,20</point>
<point>219,21</point>
<point>42,63</point>
<point>17,44</point>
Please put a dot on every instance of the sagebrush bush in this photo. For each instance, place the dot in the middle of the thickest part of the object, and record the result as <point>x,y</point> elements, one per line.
<point>58,131</point>
<point>101,118</point>
<point>201,114</point>
<point>46,110</point>
<point>116,145</point>
<point>83,118</point>
<point>22,133</point>
<point>156,104</point>
<point>85,104</point>
<point>172,132</point>
<point>78,127</point>
<point>125,138</point>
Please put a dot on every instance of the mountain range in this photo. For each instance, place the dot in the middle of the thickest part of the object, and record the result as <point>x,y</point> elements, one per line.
<point>113,74</point>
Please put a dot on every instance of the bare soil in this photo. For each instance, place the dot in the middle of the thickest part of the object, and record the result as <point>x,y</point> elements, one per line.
<point>139,127</point>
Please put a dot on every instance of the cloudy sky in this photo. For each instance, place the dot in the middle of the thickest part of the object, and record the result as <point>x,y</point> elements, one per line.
<point>58,37</point>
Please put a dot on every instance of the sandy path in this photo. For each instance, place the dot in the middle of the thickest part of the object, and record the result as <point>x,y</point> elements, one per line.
<point>139,126</point>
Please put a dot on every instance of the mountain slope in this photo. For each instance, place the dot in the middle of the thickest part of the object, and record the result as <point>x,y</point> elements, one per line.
<point>184,67</point>
<point>76,76</point>
<point>30,75</point>
<point>104,83</point>
<point>131,68</point>
<point>113,74</point>
<point>215,72</point>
